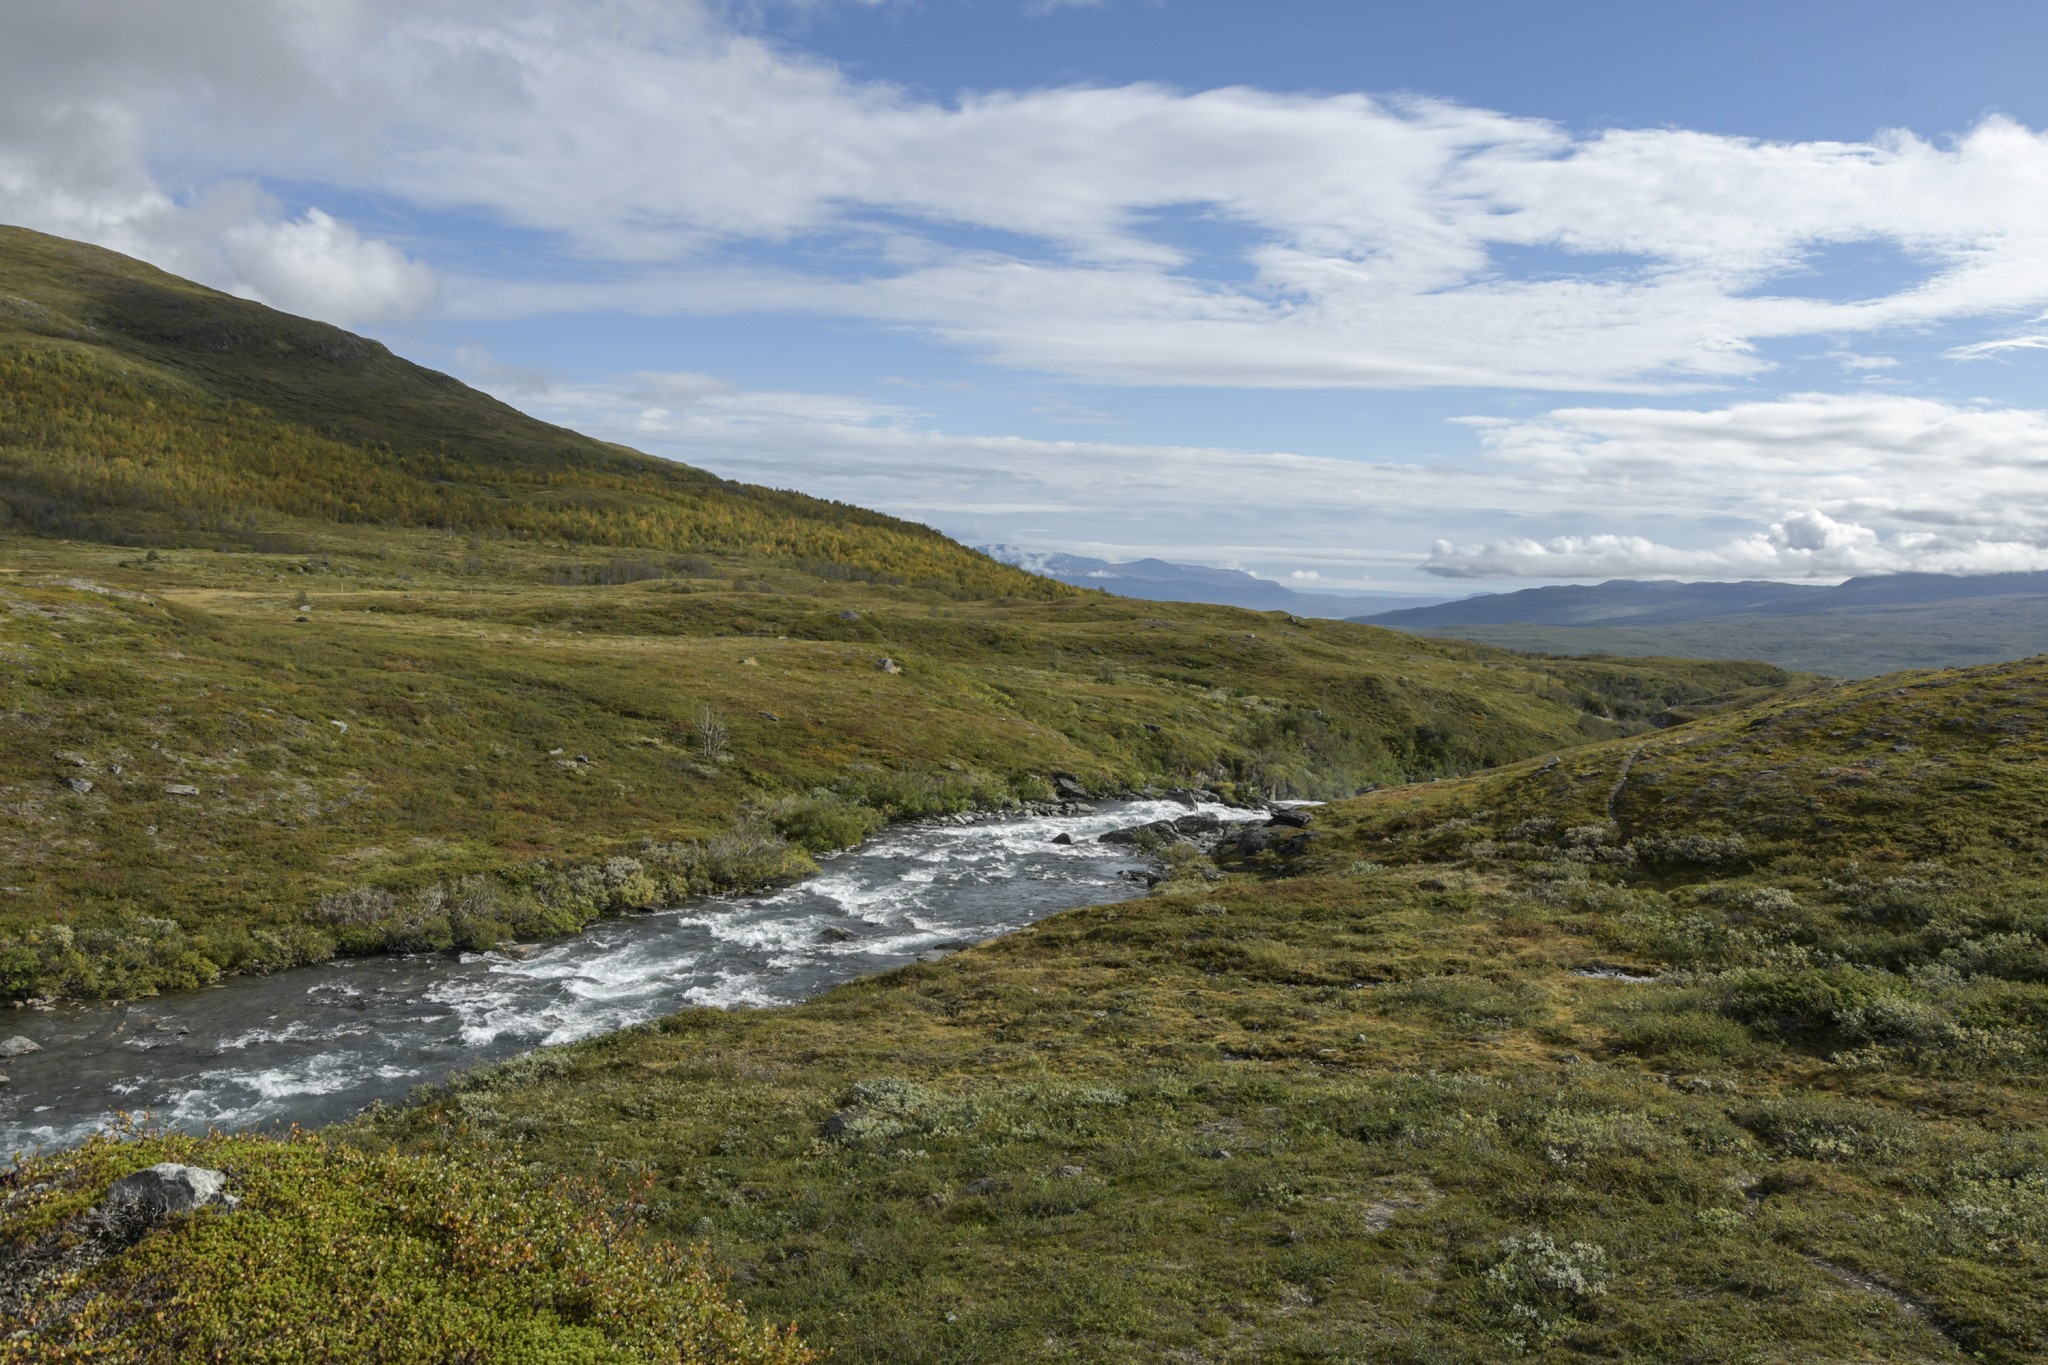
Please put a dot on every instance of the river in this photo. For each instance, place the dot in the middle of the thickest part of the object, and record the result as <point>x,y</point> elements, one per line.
<point>317,1044</point>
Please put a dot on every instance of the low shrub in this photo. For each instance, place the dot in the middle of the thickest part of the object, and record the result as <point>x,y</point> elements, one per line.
<point>1821,1128</point>
<point>339,1254</point>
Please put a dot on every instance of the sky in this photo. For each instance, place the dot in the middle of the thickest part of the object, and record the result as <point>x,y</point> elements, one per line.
<point>1362,295</point>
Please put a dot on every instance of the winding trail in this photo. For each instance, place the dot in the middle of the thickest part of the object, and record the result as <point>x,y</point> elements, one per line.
<point>1614,793</point>
<point>1906,1303</point>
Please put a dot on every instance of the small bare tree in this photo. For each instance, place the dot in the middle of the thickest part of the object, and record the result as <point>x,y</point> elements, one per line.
<point>712,736</point>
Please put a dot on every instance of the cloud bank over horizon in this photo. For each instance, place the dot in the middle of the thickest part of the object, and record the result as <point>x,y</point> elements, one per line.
<point>455,165</point>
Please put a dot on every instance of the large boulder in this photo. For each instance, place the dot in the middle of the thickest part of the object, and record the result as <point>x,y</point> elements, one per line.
<point>1249,843</point>
<point>1147,836</point>
<point>149,1196</point>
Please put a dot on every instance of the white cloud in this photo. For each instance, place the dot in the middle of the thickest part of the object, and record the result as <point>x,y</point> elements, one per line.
<point>1880,484</point>
<point>1984,350</point>
<point>315,265</point>
<point>85,86</point>
<point>1805,544</point>
<point>1118,500</point>
<point>1861,456</point>
<point>1376,237</point>
<point>1888,484</point>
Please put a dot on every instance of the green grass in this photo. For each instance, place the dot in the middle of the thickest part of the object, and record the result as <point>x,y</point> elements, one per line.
<point>336,1254</point>
<point>1359,1102</point>
<point>471,754</point>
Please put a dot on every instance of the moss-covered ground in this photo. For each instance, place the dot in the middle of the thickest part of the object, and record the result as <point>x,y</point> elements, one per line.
<point>1727,1045</point>
<point>333,1254</point>
<point>1696,1013</point>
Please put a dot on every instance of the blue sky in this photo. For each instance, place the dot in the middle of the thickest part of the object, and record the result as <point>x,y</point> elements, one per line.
<point>1392,296</point>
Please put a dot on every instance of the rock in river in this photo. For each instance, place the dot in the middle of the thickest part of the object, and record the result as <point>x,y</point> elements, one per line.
<point>18,1046</point>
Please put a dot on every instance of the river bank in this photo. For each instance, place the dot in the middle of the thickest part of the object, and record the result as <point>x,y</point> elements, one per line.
<point>315,1044</point>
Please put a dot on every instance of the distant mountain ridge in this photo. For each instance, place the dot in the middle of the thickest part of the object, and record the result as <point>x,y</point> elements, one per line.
<point>1159,580</point>
<point>1636,602</point>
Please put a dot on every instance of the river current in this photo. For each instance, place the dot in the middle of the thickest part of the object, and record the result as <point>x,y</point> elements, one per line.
<point>317,1044</point>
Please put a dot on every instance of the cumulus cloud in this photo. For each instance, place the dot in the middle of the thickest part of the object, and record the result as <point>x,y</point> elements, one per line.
<point>1807,544</point>
<point>1371,240</point>
<point>86,86</point>
<point>1886,483</point>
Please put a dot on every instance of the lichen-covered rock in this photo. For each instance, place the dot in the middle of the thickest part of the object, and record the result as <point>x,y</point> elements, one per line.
<point>155,1193</point>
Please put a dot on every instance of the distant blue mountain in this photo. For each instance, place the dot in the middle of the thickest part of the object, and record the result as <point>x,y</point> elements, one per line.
<point>1157,580</point>
<point>1634,602</point>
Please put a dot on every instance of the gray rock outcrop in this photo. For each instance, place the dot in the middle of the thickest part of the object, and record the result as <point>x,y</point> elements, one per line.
<point>151,1195</point>
<point>1067,787</point>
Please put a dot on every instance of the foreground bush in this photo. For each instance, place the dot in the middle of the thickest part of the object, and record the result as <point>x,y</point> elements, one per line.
<point>338,1254</point>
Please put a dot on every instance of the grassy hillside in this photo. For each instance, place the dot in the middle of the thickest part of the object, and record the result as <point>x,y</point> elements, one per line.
<point>1725,1043</point>
<point>308,649</point>
<point>1717,1042</point>
<point>219,761</point>
<point>142,409</point>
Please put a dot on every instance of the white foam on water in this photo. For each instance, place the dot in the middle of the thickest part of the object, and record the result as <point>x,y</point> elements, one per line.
<point>904,892</point>
<point>731,989</point>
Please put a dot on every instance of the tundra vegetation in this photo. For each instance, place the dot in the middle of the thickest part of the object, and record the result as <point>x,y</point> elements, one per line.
<point>1649,1009</point>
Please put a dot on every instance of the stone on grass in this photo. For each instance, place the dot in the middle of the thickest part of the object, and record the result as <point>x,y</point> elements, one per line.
<point>180,789</point>
<point>157,1192</point>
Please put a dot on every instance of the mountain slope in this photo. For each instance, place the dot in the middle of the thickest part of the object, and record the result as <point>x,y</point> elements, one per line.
<point>1859,628</point>
<point>1619,602</point>
<point>1632,602</point>
<point>139,408</point>
<point>404,669</point>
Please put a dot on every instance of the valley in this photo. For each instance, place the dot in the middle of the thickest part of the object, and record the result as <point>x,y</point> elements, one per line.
<point>1609,1008</point>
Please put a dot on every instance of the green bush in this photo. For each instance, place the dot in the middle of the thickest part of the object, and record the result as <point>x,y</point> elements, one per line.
<point>1684,1035</point>
<point>1809,1004</point>
<point>1820,1128</point>
<point>823,821</point>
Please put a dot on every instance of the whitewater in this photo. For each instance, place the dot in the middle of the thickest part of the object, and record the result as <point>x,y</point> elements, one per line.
<point>317,1044</point>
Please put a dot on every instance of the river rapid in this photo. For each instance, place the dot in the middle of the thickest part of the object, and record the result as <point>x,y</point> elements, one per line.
<point>317,1044</point>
